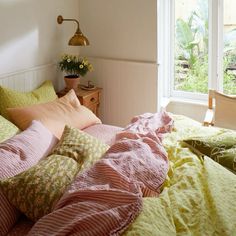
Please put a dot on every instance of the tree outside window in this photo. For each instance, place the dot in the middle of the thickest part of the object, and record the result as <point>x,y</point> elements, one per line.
<point>191,46</point>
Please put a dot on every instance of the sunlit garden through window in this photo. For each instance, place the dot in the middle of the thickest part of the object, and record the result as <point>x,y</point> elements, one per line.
<point>191,59</point>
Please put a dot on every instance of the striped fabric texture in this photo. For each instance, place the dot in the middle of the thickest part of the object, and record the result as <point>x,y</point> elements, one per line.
<point>105,133</point>
<point>106,198</point>
<point>17,155</point>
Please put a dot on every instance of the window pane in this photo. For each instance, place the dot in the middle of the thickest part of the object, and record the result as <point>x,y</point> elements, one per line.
<point>191,46</point>
<point>229,47</point>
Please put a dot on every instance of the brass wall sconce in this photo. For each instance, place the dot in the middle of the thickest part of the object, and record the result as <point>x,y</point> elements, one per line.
<point>78,39</point>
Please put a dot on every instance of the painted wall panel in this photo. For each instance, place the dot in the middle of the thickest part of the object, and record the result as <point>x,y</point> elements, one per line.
<point>129,89</point>
<point>123,45</point>
<point>30,35</point>
<point>120,29</point>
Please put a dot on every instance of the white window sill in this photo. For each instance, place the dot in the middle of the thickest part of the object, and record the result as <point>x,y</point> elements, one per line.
<point>165,101</point>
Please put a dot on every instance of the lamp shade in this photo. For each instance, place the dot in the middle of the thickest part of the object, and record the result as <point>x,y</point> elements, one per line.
<point>78,39</point>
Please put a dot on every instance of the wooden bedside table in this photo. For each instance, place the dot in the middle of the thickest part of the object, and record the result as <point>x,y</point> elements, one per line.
<point>90,99</point>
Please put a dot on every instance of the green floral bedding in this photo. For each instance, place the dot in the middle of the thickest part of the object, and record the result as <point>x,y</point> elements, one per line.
<point>198,197</point>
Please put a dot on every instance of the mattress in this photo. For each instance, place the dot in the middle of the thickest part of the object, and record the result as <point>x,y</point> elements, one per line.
<point>197,198</point>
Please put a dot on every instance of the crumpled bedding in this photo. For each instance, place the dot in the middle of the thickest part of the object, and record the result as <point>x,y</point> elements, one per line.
<point>199,194</point>
<point>106,198</point>
<point>198,197</point>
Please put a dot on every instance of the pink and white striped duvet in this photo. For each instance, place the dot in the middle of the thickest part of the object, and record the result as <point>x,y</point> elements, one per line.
<point>106,198</point>
<point>18,154</point>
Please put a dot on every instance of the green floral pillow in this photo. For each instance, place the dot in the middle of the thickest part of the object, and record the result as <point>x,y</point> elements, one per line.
<point>80,146</point>
<point>7,129</point>
<point>11,98</point>
<point>37,190</point>
<point>221,148</point>
<point>227,158</point>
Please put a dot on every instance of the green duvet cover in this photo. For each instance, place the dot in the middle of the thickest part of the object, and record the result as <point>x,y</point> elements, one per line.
<point>199,196</point>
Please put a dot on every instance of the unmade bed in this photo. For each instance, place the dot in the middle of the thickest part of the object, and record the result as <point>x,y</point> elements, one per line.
<point>197,197</point>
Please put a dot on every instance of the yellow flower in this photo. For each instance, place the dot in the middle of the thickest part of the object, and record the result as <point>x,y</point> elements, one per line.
<point>90,67</point>
<point>81,66</point>
<point>68,60</point>
<point>63,56</point>
<point>85,62</point>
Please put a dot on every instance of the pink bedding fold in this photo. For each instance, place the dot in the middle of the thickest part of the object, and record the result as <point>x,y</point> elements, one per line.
<point>106,198</point>
<point>105,133</point>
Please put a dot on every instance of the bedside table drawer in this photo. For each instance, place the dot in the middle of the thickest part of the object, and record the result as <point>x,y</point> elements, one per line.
<point>93,108</point>
<point>88,98</point>
<point>91,99</point>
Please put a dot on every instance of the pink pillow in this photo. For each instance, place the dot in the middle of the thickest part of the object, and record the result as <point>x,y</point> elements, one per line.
<point>105,133</point>
<point>18,154</point>
<point>55,115</point>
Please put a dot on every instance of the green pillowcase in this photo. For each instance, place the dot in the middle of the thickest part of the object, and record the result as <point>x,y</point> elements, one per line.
<point>7,129</point>
<point>221,148</point>
<point>227,158</point>
<point>80,146</point>
<point>36,191</point>
<point>10,98</point>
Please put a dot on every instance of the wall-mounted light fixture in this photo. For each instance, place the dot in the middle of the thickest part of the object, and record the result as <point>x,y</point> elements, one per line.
<point>78,39</point>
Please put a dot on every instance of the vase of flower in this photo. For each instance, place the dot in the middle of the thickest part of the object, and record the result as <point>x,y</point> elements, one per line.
<point>74,66</point>
<point>72,82</point>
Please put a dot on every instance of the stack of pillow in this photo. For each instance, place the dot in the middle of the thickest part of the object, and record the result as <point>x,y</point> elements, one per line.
<point>42,104</point>
<point>33,175</point>
<point>11,98</point>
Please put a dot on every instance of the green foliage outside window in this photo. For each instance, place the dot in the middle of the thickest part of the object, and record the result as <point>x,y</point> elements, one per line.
<point>191,61</point>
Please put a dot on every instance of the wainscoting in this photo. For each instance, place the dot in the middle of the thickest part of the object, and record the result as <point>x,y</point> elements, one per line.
<point>30,79</point>
<point>129,88</point>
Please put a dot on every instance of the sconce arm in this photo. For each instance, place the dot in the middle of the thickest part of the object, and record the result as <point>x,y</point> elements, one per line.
<point>60,19</point>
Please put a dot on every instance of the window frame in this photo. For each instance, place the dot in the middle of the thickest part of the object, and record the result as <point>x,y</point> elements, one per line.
<point>166,38</point>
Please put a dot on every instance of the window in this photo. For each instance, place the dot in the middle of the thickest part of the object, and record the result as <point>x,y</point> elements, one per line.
<point>196,47</point>
<point>229,49</point>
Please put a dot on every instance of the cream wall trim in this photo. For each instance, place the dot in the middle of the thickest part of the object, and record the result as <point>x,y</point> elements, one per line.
<point>16,73</point>
<point>124,60</point>
<point>27,80</point>
<point>129,88</point>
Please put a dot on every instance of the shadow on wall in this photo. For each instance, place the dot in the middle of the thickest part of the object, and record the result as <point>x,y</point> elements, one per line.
<point>30,35</point>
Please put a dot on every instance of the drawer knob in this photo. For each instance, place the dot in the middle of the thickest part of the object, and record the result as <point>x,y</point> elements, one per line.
<point>92,99</point>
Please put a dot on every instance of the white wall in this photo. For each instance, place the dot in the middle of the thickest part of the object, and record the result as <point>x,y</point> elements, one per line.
<point>31,42</point>
<point>129,88</point>
<point>30,35</point>
<point>126,32</point>
<point>120,29</point>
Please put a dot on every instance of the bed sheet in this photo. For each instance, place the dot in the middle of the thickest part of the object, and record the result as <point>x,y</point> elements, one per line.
<point>105,133</point>
<point>198,197</point>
